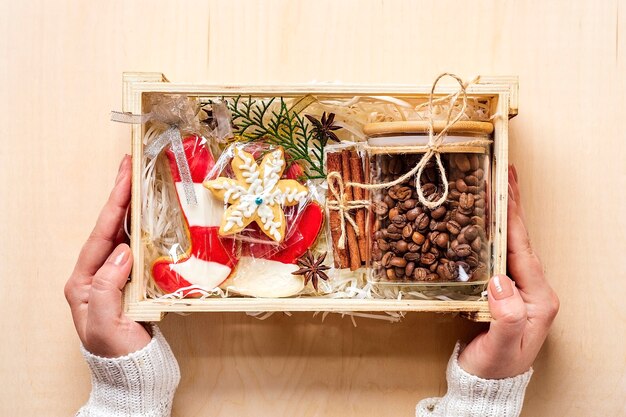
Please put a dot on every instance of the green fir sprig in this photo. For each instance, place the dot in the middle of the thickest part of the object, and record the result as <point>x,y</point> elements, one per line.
<point>303,138</point>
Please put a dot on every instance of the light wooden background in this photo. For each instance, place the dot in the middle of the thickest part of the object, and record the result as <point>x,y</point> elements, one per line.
<point>60,74</point>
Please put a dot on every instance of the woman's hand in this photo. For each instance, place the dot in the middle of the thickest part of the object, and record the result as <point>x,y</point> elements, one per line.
<point>522,311</point>
<point>94,290</point>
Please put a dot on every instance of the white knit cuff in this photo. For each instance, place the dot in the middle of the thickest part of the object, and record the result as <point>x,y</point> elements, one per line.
<point>139,384</point>
<point>471,396</point>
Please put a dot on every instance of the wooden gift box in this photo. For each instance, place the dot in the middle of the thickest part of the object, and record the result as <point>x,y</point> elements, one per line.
<point>501,93</point>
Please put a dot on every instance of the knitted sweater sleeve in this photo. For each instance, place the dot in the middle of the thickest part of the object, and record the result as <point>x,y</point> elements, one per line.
<point>471,396</point>
<point>139,384</point>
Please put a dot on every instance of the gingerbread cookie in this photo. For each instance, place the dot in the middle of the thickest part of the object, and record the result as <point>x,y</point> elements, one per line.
<point>257,194</point>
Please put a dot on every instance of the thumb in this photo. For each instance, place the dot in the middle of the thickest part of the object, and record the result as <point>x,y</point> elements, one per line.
<point>105,298</point>
<point>509,315</point>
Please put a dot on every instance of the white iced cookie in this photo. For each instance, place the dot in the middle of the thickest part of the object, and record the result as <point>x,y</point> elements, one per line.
<point>257,194</point>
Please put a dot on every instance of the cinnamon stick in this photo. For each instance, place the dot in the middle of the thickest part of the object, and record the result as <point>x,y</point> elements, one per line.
<point>342,260</point>
<point>356,172</point>
<point>351,239</point>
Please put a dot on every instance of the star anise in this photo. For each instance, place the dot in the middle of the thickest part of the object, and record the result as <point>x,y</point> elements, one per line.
<point>312,268</point>
<point>324,127</point>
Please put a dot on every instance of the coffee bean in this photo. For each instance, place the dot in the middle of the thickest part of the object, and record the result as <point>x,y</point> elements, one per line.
<point>421,222</point>
<point>399,271</point>
<point>380,208</point>
<point>461,186</point>
<point>390,202</point>
<point>399,221</point>
<point>471,180</point>
<point>386,259</point>
<point>476,244</point>
<point>429,189</point>
<point>453,227</point>
<point>394,212</point>
<point>391,274</point>
<point>472,261</point>
<point>438,213</point>
<point>420,274</point>
<point>479,173</point>
<point>470,233</point>
<point>394,236</point>
<point>407,231</point>
<point>410,267</point>
<point>413,247</point>
<point>432,277</point>
<point>401,193</point>
<point>395,166</point>
<point>478,221</point>
<point>466,202</point>
<point>401,246</point>
<point>462,219</point>
<point>392,228</point>
<point>473,162</point>
<point>479,202</point>
<point>409,204</point>
<point>428,258</point>
<point>412,256</point>
<point>447,271</point>
<point>463,250</point>
<point>442,240</point>
<point>462,162</point>
<point>430,174</point>
<point>383,244</point>
<point>454,194</point>
<point>472,189</point>
<point>426,246</point>
<point>418,238</point>
<point>397,261</point>
<point>412,214</point>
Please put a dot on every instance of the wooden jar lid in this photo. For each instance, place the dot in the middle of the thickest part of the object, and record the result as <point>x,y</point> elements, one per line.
<point>421,127</point>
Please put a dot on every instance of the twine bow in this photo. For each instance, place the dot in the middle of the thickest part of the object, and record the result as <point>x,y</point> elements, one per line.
<point>434,144</point>
<point>170,136</point>
<point>340,203</point>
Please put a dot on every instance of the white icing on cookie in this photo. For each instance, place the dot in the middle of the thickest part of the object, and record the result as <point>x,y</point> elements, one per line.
<point>257,193</point>
<point>256,277</point>
<point>205,274</point>
<point>206,213</point>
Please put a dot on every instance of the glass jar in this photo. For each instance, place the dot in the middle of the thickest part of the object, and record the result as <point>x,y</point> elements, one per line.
<point>412,244</point>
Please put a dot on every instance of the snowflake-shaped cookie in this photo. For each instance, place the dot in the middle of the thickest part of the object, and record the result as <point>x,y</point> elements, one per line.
<point>257,193</point>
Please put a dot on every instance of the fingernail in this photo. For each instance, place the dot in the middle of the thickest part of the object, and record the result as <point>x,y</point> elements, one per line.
<point>501,287</point>
<point>119,255</point>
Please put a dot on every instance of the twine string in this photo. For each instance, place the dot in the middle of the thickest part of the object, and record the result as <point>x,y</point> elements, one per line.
<point>341,204</point>
<point>433,147</point>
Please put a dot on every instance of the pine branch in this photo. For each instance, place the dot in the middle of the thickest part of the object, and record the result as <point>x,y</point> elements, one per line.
<point>253,120</point>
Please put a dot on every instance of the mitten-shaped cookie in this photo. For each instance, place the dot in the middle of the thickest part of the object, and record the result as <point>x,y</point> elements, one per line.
<point>208,262</point>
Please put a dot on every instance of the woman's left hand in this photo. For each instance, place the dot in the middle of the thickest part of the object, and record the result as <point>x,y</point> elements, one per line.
<point>522,311</point>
